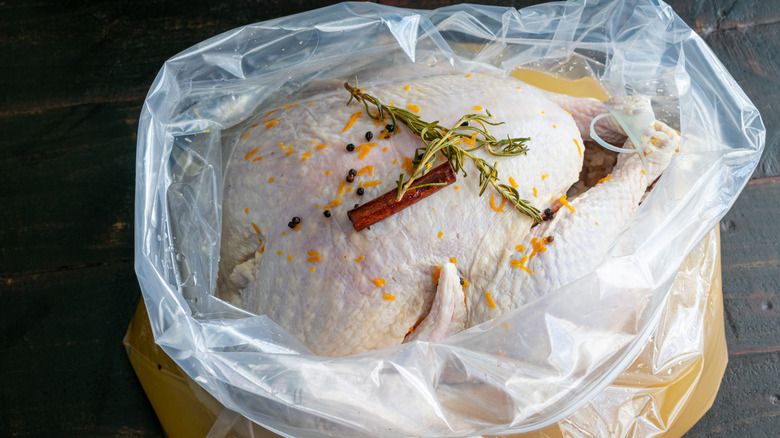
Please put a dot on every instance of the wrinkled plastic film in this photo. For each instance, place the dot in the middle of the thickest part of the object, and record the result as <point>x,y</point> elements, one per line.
<point>559,351</point>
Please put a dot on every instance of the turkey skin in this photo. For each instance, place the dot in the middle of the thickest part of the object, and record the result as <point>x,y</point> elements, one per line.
<point>448,262</point>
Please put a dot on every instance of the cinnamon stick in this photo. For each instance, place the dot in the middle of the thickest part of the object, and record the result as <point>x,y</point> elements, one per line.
<point>387,205</point>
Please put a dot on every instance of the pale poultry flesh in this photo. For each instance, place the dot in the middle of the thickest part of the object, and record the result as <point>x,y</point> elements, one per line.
<point>449,262</point>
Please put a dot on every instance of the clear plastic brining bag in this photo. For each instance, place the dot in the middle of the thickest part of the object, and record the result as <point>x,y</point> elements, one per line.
<point>528,368</point>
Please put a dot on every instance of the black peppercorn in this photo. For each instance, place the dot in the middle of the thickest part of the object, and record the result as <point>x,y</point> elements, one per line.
<point>326,213</point>
<point>390,128</point>
<point>369,135</point>
<point>461,282</point>
<point>350,178</point>
<point>548,214</point>
<point>296,220</point>
<point>360,191</point>
<point>351,175</point>
<point>350,147</point>
<point>291,224</point>
<point>465,123</point>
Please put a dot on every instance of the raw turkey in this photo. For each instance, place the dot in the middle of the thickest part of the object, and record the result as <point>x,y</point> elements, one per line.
<point>448,262</point>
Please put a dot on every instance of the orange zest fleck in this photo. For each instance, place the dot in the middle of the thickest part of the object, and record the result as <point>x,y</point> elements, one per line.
<point>311,269</point>
<point>465,285</point>
<point>342,187</point>
<point>407,88</point>
<point>269,120</point>
<point>454,260</point>
<point>441,233</point>
<point>578,146</point>
<point>257,230</point>
<point>388,297</point>
<point>271,112</point>
<point>289,258</point>
<point>271,124</point>
<point>334,203</point>
<point>413,108</point>
<point>271,179</point>
<point>290,151</point>
<point>369,169</point>
<point>279,252</point>
<point>468,75</point>
<point>520,264</point>
<point>544,177</point>
<point>566,203</point>
<point>379,282</point>
<point>364,149</point>
<point>257,159</point>
<point>384,149</point>
<point>538,246</point>
<point>457,187</point>
<point>370,184</point>
<point>312,253</point>
<point>606,178</point>
<point>512,182</point>
<point>321,146</point>
<point>246,210</point>
<point>643,172</point>
<point>327,172</point>
<point>493,204</point>
<point>250,153</point>
<point>314,259</point>
<point>352,120</point>
<point>535,193</point>
<point>306,156</point>
<point>408,165</point>
<point>520,248</point>
<point>490,301</point>
<point>471,140</point>
<point>360,259</point>
<point>436,274</point>
<point>246,136</point>
<point>477,108</point>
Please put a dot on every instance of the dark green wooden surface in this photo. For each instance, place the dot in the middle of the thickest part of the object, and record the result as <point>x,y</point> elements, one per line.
<point>72,82</point>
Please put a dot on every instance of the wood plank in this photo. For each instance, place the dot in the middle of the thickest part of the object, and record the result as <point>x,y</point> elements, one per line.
<point>751,269</point>
<point>748,404</point>
<point>69,187</point>
<point>62,361</point>
<point>62,53</point>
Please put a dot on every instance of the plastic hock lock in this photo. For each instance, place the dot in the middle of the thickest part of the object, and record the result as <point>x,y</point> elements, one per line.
<point>633,114</point>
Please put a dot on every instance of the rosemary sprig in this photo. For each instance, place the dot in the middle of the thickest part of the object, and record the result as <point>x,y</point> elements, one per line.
<point>448,141</point>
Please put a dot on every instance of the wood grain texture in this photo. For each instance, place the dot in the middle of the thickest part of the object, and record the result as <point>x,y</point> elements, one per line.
<point>74,79</point>
<point>63,366</point>
<point>751,269</point>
